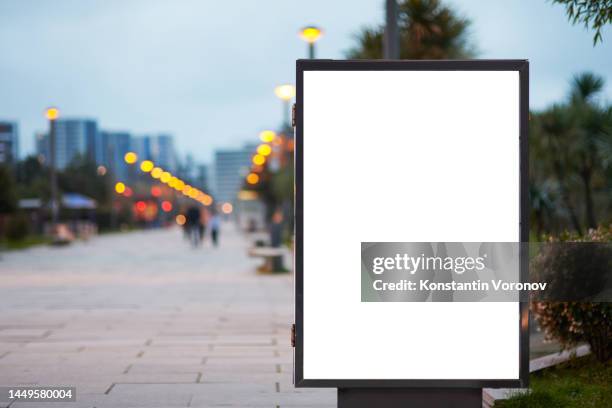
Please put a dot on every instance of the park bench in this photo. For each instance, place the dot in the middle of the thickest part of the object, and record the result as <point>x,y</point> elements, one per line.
<point>273,259</point>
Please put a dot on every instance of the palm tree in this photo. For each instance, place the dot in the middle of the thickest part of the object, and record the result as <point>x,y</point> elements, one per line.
<point>427,29</point>
<point>553,130</point>
<point>592,137</point>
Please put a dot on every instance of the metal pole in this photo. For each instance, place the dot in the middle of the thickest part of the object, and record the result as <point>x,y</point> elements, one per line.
<point>311,50</point>
<point>391,36</point>
<point>52,159</point>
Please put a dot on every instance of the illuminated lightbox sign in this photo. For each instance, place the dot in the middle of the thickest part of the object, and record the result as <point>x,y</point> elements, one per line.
<point>406,152</point>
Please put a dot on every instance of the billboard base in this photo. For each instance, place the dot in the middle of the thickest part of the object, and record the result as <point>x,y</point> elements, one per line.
<point>409,397</point>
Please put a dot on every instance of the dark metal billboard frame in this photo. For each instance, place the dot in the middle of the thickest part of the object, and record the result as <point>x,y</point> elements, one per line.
<point>520,66</point>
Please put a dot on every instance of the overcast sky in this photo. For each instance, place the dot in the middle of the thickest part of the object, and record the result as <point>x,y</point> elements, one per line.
<point>204,70</point>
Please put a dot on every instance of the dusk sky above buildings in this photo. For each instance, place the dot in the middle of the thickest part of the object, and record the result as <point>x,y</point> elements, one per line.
<point>205,71</point>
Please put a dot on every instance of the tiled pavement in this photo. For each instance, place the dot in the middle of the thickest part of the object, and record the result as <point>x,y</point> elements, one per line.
<point>142,320</point>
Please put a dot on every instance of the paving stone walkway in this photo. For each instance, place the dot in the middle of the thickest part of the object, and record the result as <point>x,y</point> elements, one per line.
<point>141,319</point>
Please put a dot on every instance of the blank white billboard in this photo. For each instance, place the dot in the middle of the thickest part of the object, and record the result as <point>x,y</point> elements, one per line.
<point>405,156</point>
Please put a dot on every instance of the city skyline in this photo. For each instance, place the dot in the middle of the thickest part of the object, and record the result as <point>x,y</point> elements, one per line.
<point>103,60</point>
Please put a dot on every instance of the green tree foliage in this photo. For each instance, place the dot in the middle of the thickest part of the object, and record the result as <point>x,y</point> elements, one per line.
<point>595,14</point>
<point>428,30</point>
<point>571,160</point>
<point>81,177</point>
<point>8,192</point>
<point>32,179</point>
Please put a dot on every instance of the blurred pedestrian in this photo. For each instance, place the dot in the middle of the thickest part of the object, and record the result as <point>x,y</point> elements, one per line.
<point>215,226</point>
<point>193,225</point>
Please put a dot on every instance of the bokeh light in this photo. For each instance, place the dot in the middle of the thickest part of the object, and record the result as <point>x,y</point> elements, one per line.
<point>311,34</point>
<point>264,149</point>
<point>157,172</point>
<point>52,113</point>
<point>156,191</point>
<point>165,177</point>
<point>180,219</point>
<point>166,206</point>
<point>130,157</point>
<point>252,178</point>
<point>227,208</point>
<point>258,159</point>
<point>285,92</point>
<point>146,166</point>
<point>267,136</point>
<point>120,187</point>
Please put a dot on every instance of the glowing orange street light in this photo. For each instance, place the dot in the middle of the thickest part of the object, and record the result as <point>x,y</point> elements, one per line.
<point>311,35</point>
<point>264,149</point>
<point>258,159</point>
<point>286,92</point>
<point>267,136</point>
<point>120,188</point>
<point>227,208</point>
<point>173,181</point>
<point>207,200</point>
<point>180,219</point>
<point>186,189</point>
<point>165,177</point>
<point>146,166</point>
<point>52,113</point>
<point>130,157</point>
<point>252,178</point>
<point>156,172</point>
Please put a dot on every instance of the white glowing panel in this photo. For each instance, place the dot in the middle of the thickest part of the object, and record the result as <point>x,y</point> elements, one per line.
<point>406,156</point>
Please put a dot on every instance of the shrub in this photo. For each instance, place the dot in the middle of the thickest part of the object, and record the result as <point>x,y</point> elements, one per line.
<point>18,227</point>
<point>571,323</point>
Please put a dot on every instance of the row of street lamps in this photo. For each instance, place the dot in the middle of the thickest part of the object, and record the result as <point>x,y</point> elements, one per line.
<point>165,177</point>
<point>285,92</point>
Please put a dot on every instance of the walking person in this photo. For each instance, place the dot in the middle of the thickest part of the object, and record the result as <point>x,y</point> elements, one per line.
<point>215,226</point>
<point>193,225</point>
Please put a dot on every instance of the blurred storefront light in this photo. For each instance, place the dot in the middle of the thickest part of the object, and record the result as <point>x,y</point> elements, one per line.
<point>166,206</point>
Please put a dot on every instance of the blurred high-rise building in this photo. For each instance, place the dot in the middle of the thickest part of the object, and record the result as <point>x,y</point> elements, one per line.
<point>113,147</point>
<point>9,142</point>
<point>231,166</point>
<point>74,138</point>
<point>158,148</point>
<point>163,153</point>
<point>202,178</point>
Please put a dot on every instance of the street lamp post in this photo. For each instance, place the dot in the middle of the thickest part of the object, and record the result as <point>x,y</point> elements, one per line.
<point>52,114</point>
<point>285,93</point>
<point>311,35</point>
